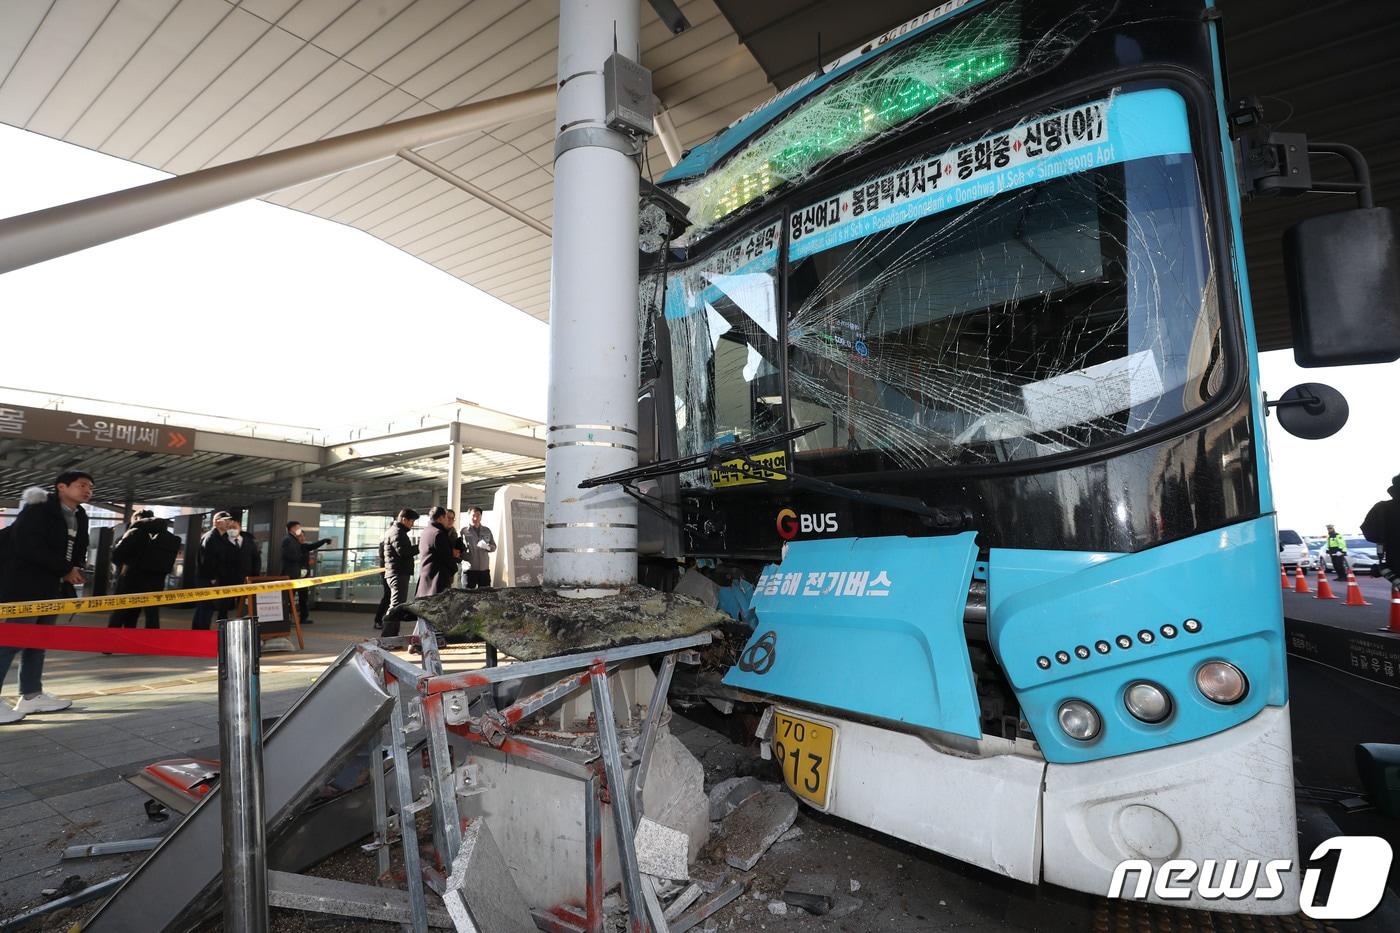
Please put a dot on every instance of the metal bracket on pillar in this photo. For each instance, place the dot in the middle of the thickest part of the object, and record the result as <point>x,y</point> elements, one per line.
<point>581,136</point>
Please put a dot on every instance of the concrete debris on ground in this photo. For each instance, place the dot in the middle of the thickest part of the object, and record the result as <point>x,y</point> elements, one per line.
<point>748,832</point>
<point>662,851</point>
<point>530,623</point>
<point>815,894</point>
<point>729,794</point>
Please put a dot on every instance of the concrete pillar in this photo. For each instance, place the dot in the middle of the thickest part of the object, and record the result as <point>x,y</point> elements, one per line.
<point>454,469</point>
<point>296,489</point>
<point>590,537</point>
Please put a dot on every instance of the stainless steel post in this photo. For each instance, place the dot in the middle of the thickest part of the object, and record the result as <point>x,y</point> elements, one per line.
<point>240,778</point>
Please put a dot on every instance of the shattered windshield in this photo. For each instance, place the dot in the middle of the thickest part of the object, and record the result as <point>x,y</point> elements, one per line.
<point>1040,290</point>
<point>722,316</point>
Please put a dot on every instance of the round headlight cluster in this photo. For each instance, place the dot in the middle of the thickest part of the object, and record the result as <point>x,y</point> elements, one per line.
<point>1221,682</point>
<point>1147,701</point>
<point>1080,721</point>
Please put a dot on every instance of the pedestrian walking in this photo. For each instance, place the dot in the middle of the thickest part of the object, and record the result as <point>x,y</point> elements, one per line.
<point>47,550</point>
<point>479,546</point>
<point>397,556</point>
<point>1382,525</point>
<point>144,556</point>
<point>436,564</point>
<point>296,563</point>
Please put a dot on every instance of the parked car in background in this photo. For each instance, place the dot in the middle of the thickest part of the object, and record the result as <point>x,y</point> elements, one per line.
<point>1361,554</point>
<point>1292,551</point>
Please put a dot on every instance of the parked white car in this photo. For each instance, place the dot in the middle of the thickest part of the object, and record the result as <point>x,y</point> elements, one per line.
<point>1361,554</point>
<point>1292,551</point>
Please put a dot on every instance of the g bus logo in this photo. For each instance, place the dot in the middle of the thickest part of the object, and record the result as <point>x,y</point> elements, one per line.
<point>790,523</point>
<point>1344,878</point>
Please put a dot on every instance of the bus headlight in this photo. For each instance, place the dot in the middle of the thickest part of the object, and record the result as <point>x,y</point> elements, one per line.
<point>1147,702</point>
<point>1079,720</point>
<point>1221,682</point>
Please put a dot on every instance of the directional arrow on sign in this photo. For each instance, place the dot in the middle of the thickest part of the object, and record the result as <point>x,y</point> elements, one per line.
<point>177,440</point>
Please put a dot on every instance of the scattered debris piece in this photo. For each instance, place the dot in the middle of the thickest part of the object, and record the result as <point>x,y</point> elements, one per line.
<point>71,885</point>
<point>815,894</point>
<point>662,851</point>
<point>711,876</point>
<point>855,885</point>
<point>777,908</point>
<point>792,835</point>
<point>748,832</point>
<point>687,897</point>
<point>530,623</point>
<point>708,906</point>
<point>728,795</point>
<point>481,888</point>
<point>845,906</point>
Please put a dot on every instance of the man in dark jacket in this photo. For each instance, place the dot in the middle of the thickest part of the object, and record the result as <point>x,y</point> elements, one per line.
<point>1382,525</point>
<point>436,563</point>
<point>397,556</point>
<point>47,547</point>
<point>296,563</point>
<point>214,563</point>
<point>144,556</point>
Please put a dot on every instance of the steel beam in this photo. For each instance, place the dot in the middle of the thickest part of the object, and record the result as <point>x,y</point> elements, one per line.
<point>67,228</point>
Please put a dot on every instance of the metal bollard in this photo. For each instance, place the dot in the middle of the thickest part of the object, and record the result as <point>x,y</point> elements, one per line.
<point>241,779</point>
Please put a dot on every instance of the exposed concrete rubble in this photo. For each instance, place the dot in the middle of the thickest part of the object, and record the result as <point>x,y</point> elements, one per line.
<point>815,894</point>
<point>530,623</point>
<point>662,851</point>
<point>747,833</point>
<point>729,794</point>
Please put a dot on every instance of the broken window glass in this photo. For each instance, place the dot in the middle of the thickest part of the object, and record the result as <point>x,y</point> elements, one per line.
<point>1037,291</point>
<point>722,315</point>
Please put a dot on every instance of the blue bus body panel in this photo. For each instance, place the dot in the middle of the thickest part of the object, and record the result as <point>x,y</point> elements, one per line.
<point>1043,603</point>
<point>869,625</point>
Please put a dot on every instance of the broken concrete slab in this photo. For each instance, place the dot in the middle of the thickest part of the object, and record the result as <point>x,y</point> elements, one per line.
<point>662,851</point>
<point>674,795</point>
<point>792,835</point>
<point>748,832</point>
<point>727,795</point>
<point>481,892</point>
<point>530,623</point>
<point>777,908</point>
<point>708,906</point>
<point>815,894</point>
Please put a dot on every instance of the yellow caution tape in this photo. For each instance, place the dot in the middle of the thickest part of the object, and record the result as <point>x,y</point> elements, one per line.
<point>50,607</point>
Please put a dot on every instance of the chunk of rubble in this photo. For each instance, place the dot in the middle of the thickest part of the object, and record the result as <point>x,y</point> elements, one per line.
<point>815,894</point>
<point>727,795</point>
<point>845,906</point>
<point>749,831</point>
<point>683,900</point>
<point>711,876</point>
<point>530,623</point>
<point>777,908</point>
<point>662,851</point>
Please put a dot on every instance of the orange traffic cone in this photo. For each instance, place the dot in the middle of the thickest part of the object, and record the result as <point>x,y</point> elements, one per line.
<point>1394,628</point>
<point>1287,583</point>
<point>1354,597</point>
<point>1302,581</point>
<point>1324,589</point>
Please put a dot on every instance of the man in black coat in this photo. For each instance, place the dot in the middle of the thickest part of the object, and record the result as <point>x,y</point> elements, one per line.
<point>296,563</point>
<point>437,564</point>
<point>47,547</point>
<point>397,555</point>
<point>1382,525</point>
<point>214,564</point>
<point>144,556</point>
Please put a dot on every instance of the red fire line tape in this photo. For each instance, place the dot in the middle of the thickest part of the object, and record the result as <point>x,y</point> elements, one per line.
<point>172,643</point>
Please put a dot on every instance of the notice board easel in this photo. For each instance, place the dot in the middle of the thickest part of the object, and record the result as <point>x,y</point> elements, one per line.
<point>277,606</point>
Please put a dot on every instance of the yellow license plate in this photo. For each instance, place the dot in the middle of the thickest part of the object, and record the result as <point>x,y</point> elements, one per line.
<point>803,749</point>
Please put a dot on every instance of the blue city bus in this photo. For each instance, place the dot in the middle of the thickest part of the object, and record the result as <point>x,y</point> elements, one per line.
<point>952,359</point>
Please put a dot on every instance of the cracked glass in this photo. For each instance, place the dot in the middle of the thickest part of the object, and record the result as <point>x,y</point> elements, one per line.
<point>1040,290</point>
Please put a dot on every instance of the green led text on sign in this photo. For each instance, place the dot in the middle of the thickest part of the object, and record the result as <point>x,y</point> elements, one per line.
<point>857,109</point>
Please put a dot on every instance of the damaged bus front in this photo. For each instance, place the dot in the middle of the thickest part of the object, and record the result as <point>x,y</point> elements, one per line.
<point>966,314</point>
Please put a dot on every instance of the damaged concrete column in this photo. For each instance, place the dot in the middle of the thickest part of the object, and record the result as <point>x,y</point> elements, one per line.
<point>590,537</point>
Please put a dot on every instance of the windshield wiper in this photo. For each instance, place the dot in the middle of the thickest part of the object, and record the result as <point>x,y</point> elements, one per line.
<point>942,519</point>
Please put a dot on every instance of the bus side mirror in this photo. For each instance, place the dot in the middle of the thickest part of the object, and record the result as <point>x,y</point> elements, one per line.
<point>1343,273</point>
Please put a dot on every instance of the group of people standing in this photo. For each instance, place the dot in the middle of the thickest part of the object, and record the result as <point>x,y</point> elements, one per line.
<point>441,553</point>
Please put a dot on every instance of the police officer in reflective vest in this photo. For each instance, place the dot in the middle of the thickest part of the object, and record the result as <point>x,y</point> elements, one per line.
<point>1337,550</point>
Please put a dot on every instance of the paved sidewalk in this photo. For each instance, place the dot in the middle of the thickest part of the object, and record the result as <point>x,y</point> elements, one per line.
<point>62,774</point>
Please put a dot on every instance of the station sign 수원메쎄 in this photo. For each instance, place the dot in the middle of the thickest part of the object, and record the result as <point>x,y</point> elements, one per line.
<point>69,427</point>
